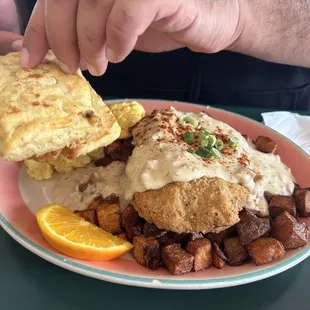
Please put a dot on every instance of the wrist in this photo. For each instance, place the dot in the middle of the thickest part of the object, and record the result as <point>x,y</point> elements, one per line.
<point>246,35</point>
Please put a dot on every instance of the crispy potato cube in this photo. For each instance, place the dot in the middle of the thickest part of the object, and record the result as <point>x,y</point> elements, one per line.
<point>129,215</point>
<point>171,238</point>
<point>190,237</point>
<point>201,249</point>
<point>302,198</point>
<point>265,144</point>
<point>265,249</point>
<point>108,216</point>
<point>111,199</point>
<point>268,196</point>
<point>132,223</point>
<point>97,202</point>
<point>122,235</point>
<point>251,227</point>
<point>147,252</point>
<point>151,231</point>
<point>218,257</point>
<point>88,215</point>
<point>104,162</point>
<point>177,260</point>
<point>279,204</point>
<point>219,237</point>
<point>289,232</point>
<point>235,251</point>
<point>113,147</point>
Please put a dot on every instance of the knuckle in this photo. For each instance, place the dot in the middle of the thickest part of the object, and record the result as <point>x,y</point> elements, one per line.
<point>34,30</point>
<point>126,16</point>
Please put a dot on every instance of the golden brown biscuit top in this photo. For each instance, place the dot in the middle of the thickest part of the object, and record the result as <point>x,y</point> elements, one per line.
<point>31,94</point>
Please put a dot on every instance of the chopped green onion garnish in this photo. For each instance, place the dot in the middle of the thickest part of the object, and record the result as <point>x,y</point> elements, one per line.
<point>204,142</point>
<point>204,134</point>
<point>211,140</point>
<point>203,152</point>
<point>188,119</point>
<point>219,144</point>
<point>232,142</point>
<point>215,153</point>
<point>189,137</point>
<point>190,151</point>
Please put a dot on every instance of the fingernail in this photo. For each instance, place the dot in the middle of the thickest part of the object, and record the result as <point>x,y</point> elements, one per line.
<point>92,70</point>
<point>17,45</point>
<point>24,57</point>
<point>82,64</point>
<point>64,67</point>
<point>110,55</point>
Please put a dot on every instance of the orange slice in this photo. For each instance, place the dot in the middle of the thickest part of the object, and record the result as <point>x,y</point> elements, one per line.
<point>75,237</point>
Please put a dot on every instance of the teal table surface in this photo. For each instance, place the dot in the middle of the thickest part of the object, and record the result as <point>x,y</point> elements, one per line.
<point>29,282</point>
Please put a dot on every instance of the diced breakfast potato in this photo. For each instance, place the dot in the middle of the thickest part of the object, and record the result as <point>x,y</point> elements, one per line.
<point>113,147</point>
<point>151,231</point>
<point>265,249</point>
<point>265,144</point>
<point>268,196</point>
<point>219,237</point>
<point>132,223</point>
<point>289,232</point>
<point>302,198</point>
<point>218,257</point>
<point>279,204</point>
<point>251,227</point>
<point>103,162</point>
<point>119,150</point>
<point>177,260</point>
<point>129,215</point>
<point>111,199</point>
<point>96,203</point>
<point>147,252</point>
<point>190,237</point>
<point>109,218</point>
<point>122,236</point>
<point>172,237</point>
<point>88,215</point>
<point>235,251</point>
<point>201,249</point>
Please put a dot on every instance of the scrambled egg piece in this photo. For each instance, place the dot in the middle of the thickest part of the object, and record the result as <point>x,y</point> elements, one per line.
<point>39,171</point>
<point>44,171</point>
<point>127,115</point>
<point>65,165</point>
<point>97,154</point>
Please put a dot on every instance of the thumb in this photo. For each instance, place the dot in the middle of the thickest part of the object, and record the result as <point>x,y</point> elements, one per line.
<point>10,42</point>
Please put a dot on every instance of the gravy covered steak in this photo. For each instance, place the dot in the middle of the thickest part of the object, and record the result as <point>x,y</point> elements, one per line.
<point>189,192</point>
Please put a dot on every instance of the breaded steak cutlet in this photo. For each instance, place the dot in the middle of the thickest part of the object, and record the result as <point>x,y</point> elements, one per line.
<point>202,205</point>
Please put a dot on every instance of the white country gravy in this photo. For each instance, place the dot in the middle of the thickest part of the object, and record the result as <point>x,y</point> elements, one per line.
<point>160,157</point>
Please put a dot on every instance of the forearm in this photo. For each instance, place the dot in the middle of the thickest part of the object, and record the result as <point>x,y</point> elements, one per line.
<point>276,31</point>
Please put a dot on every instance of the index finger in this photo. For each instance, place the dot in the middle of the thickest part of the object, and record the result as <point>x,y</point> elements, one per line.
<point>35,44</point>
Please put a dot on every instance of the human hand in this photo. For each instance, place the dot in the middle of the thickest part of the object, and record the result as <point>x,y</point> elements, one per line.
<point>108,30</point>
<point>10,42</point>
